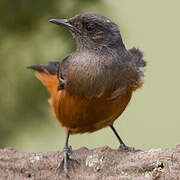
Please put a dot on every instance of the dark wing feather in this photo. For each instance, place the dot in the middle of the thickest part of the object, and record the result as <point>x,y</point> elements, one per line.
<point>132,75</point>
<point>137,58</point>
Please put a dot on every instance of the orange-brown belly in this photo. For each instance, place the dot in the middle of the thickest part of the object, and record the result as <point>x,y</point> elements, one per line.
<point>82,115</point>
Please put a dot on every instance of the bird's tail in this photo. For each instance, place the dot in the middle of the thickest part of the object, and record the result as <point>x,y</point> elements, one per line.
<point>49,77</point>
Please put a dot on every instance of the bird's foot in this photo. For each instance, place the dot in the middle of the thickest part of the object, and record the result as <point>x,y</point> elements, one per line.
<point>125,148</point>
<point>66,162</point>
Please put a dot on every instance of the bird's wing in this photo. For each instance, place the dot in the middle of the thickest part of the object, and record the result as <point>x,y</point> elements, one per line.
<point>62,69</point>
<point>130,78</point>
<point>137,58</point>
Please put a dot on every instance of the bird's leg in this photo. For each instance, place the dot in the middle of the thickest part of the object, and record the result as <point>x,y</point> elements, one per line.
<point>122,146</point>
<point>64,163</point>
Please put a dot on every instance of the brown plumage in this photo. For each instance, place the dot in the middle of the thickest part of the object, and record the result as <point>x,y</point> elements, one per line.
<point>92,87</point>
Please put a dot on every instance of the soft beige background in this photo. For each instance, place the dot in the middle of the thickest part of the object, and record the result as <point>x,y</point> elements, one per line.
<point>152,118</point>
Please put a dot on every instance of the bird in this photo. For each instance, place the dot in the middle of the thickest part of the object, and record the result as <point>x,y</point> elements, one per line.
<point>92,86</point>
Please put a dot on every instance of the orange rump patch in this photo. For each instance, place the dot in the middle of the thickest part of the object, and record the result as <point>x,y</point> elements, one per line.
<point>49,81</point>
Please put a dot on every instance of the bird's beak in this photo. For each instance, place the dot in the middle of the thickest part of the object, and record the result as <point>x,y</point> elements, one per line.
<point>63,22</point>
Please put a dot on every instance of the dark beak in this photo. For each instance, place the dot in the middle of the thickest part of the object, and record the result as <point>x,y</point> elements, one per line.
<point>63,22</point>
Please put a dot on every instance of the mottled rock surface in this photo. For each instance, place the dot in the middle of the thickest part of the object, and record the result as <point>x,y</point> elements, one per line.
<point>96,164</point>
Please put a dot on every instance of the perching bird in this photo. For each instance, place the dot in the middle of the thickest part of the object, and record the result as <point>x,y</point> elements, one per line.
<point>92,86</point>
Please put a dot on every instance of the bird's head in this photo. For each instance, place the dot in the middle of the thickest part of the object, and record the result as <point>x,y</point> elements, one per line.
<point>92,31</point>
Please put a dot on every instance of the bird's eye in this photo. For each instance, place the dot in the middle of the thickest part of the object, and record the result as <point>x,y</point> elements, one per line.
<point>89,27</point>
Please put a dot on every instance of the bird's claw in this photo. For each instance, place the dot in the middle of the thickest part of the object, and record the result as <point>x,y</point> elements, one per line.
<point>65,161</point>
<point>125,148</point>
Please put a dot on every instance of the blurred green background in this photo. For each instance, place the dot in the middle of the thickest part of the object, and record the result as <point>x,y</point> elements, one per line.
<point>152,118</point>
